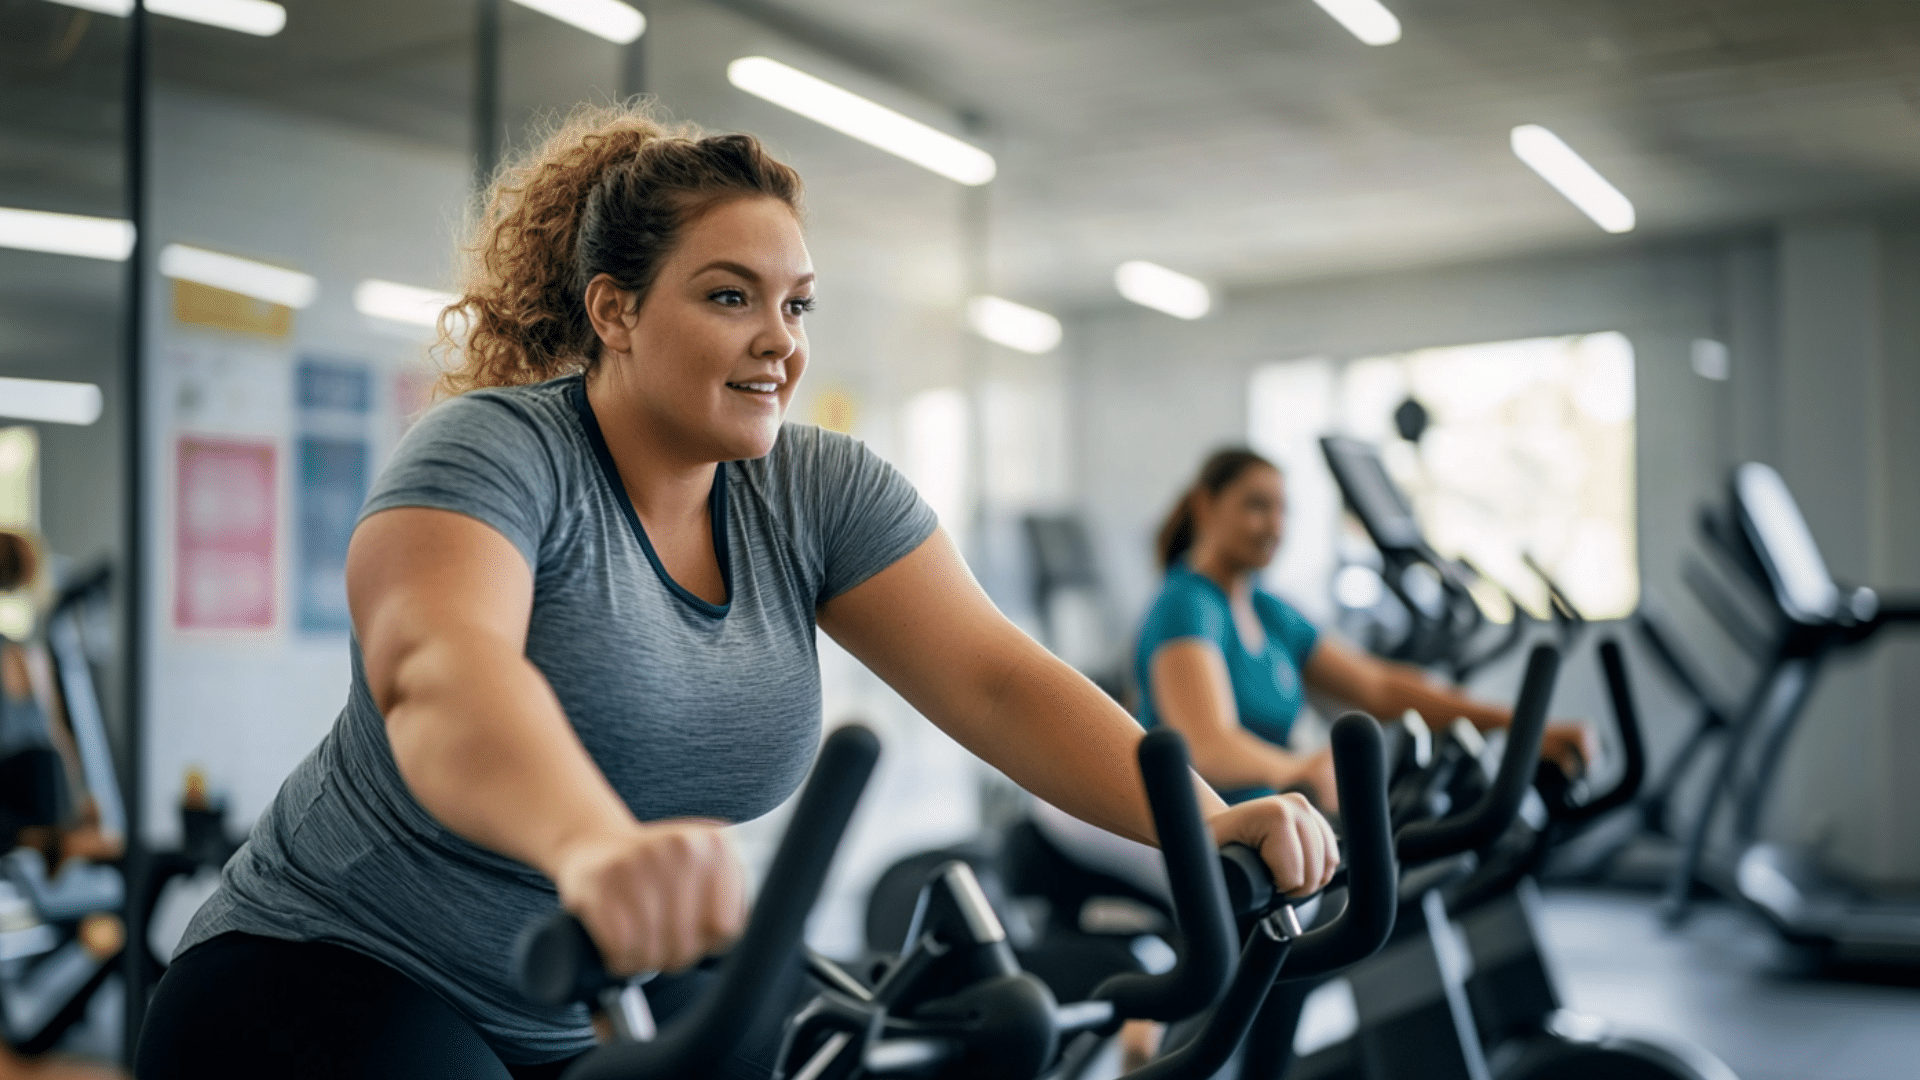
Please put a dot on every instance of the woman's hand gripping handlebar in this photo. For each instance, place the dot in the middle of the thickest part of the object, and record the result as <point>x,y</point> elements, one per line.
<point>1360,771</point>
<point>556,961</point>
<point>1194,877</point>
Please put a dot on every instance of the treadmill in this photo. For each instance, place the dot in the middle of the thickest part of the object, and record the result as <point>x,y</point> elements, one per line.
<point>1806,903</point>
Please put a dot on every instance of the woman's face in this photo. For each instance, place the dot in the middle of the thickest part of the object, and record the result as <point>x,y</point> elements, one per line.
<point>1242,524</point>
<point>715,350</point>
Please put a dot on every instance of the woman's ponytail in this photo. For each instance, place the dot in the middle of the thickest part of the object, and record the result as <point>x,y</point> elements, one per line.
<point>606,193</point>
<point>1223,467</point>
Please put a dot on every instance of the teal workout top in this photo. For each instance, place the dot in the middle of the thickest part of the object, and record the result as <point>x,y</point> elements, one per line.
<point>1267,688</point>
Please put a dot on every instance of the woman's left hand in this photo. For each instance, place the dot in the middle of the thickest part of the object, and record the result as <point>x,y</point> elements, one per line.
<point>1297,843</point>
<point>1572,745</point>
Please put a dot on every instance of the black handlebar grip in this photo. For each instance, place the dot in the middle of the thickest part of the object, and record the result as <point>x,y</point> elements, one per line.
<point>759,969</point>
<point>1627,721</point>
<point>1249,882</point>
<point>1360,773</point>
<point>1482,824</point>
<point>555,962</point>
<point>1207,935</point>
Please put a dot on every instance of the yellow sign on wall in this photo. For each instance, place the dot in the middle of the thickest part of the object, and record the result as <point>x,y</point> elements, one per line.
<point>204,305</point>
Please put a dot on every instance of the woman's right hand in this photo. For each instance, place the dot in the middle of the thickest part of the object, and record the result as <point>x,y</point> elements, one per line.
<point>657,896</point>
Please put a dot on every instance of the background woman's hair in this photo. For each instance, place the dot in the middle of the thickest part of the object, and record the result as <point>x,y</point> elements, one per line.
<point>608,192</point>
<point>1223,467</point>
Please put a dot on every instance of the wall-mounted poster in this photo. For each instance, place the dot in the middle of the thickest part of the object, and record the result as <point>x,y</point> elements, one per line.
<point>224,534</point>
<point>333,386</point>
<point>333,399</point>
<point>333,484</point>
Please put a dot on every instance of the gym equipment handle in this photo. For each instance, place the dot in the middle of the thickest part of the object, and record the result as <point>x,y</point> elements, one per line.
<point>1627,720</point>
<point>755,974</point>
<point>1249,882</point>
<point>1360,771</point>
<point>1482,824</point>
<point>1373,876</point>
<point>1199,895</point>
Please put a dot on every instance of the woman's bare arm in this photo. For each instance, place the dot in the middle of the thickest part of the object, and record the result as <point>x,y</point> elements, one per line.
<point>1193,694</point>
<point>1387,689</point>
<point>924,625</point>
<point>440,606</point>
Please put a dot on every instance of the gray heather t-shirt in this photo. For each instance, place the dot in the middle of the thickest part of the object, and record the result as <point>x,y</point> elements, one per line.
<point>688,707</point>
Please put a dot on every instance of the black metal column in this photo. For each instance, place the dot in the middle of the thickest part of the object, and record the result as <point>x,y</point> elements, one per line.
<point>486,92</point>
<point>135,966</point>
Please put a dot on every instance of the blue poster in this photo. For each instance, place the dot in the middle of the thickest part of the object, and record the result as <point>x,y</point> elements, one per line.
<point>333,386</point>
<point>333,485</point>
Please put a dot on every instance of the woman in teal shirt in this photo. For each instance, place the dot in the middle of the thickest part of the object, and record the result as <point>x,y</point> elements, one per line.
<point>1228,664</point>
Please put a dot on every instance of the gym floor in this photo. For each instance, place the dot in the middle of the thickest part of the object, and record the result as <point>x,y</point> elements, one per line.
<point>1722,982</point>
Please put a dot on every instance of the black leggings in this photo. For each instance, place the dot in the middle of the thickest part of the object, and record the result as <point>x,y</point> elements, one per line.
<point>246,1006</point>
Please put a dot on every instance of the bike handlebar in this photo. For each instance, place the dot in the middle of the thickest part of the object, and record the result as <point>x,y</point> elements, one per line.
<point>1359,762</point>
<point>1199,891</point>
<point>1633,750</point>
<point>1360,775</point>
<point>1483,823</point>
<point>551,958</point>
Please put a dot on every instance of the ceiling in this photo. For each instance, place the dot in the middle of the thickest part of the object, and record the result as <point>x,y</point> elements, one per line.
<point>1243,141</point>
<point>1253,141</point>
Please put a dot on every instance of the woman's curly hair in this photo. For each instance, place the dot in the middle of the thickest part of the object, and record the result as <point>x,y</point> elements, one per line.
<point>607,192</point>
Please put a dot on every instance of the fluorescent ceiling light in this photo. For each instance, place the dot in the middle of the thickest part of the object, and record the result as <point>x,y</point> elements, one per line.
<point>1155,286</point>
<point>619,23</point>
<point>257,17</point>
<point>1569,173</point>
<point>1016,326</point>
<point>274,284</point>
<point>1368,20</point>
<point>871,123</point>
<point>66,234</point>
<point>401,303</point>
<point>49,402</point>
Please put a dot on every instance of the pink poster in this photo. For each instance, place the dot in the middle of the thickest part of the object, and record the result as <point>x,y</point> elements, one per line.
<point>224,525</point>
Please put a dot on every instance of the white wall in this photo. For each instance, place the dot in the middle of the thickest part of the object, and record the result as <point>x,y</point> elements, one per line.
<point>336,203</point>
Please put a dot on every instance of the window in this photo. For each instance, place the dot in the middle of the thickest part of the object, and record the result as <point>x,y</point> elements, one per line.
<point>1527,454</point>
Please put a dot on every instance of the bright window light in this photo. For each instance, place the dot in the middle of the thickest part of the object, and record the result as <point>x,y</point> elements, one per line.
<point>1368,20</point>
<point>49,402</point>
<point>257,17</point>
<point>1568,172</point>
<point>1016,326</point>
<point>401,303</point>
<point>619,23</point>
<point>1155,286</point>
<point>66,234</point>
<point>871,123</point>
<point>274,284</point>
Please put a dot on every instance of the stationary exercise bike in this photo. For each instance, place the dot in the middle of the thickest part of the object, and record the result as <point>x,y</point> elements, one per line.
<point>956,1004</point>
<point>1463,992</point>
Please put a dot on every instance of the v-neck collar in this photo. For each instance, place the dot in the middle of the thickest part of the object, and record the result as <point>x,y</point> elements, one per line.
<point>1253,600</point>
<point>716,510</point>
